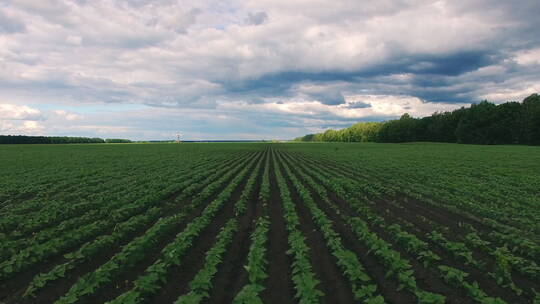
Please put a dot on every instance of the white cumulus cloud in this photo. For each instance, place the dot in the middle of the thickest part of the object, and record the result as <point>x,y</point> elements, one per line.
<point>289,59</point>
<point>17,112</point>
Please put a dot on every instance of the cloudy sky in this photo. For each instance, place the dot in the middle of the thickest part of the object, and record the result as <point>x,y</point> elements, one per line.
<point>255,69</point>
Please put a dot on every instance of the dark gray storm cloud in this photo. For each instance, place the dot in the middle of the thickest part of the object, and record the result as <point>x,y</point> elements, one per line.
<point>256,18</point>
<point>358,105</point>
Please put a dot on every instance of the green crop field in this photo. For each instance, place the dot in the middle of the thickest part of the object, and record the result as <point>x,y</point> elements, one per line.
<point>269,223</point>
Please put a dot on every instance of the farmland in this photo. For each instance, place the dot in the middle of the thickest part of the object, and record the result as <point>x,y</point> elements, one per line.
<point>272,223</point>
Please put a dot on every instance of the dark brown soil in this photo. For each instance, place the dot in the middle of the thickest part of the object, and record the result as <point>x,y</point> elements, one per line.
<point>231,275</point>
<point>15,287</point>
<point>334,284</point>
<point>388,287</point>
<point>461,216</point>
<point>279,286</point>
<point>427,279</point>
<point>392,215</point>
<point>179,276</point>
<point>62,285</point>
<point>416,216</point>
<point>83,212</point>
<point>433,211</point>
<point>422,228</point>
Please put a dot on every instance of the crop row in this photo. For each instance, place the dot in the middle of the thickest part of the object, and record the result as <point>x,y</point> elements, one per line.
<point>510,212</point>
<point>98,213</point>
<point>256,264</point>
<point>409,242</point>
<point>201,283</point>
<point>362,285</point>
<point>395,266</point>
<point>303,277</point>
<point>156,274</point>
<point>38,252</point>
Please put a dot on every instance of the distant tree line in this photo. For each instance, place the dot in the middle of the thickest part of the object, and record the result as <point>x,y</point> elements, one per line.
<point>117,141</point>
<point>22,139</point>
<point>482,123</point>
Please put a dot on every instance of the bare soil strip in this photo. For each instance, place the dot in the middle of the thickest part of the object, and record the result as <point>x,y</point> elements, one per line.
<point>279,286</point>
<point>231,276</point>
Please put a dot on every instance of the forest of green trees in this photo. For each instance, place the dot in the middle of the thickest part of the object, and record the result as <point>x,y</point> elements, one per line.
<point>482,123</point>
<point>117,141</point>
<point>22,139</point>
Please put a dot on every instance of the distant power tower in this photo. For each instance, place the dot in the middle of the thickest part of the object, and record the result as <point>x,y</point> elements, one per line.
<point>178,137</point>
